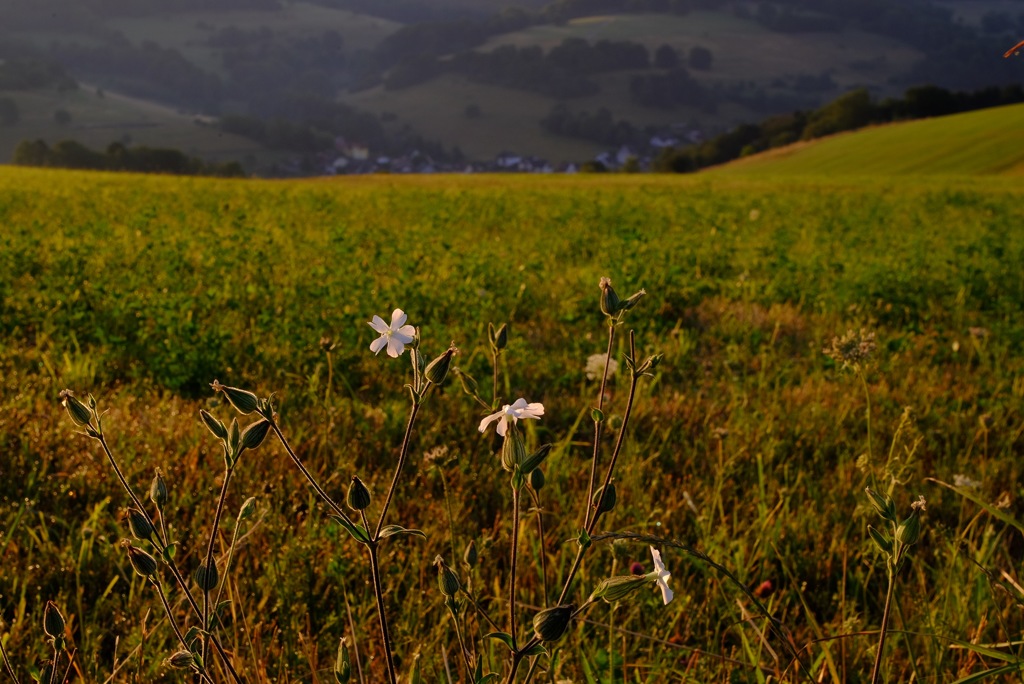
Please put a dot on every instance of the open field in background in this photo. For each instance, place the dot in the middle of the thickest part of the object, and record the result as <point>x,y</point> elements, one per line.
<point>988,141</point>
<point>98,121</point>
<point>144,289</point>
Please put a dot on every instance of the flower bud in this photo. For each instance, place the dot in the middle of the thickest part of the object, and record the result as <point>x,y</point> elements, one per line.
<point>342,665</point>
<point>139,525</point>
<point>53,621</point>
<point>81,415</point>
<point>513,449</point>
<point>649,364</point>
<point>881,540</point>
<point>437,370</point>
<point>358,498</point>
<point>909,530</point>
<point>631,301</point>
<point>447,580</point>
<point>254,435</point>
<point>551,624</point>
<point>609,499</point>
<point>469,385</point>
<point>206,576</point>
<point>180,660</point>
<point>244,401</point>
<point>142,562</point>
<point>247,508</point>
<point>470,555</point>
<point>158,490</point>
<point>616,588</point>
<point>213,424</point>
<point>609,300</point>
<point>882,503</point>
<point>234,437</point>
<point>537,479</point>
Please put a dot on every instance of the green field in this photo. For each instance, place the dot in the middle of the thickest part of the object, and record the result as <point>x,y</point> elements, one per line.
<point>748,444</point>
<point>984,142</point>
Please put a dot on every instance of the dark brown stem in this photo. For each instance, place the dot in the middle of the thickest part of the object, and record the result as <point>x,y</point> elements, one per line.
<point>7,663</point>
<point>877,670</point>
<point>384,633</point>
<point>174,625</point>
<point>398,468</point>
<point>209,554</point>
<point>515,558</point>
<point>309,477</point>
<point>598,428</point>
<point>543,555</point>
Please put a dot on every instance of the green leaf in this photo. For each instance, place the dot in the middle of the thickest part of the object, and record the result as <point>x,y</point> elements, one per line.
<point>489,677</point>
<point>395,530</point>
<point>536,650</point>
<point>503,637</point>
<point>356,531</point>
<point>978,676</point>
<point>169,552</point>
<point>193,638</point>
<point>989,508</point>
<point>535,459</point>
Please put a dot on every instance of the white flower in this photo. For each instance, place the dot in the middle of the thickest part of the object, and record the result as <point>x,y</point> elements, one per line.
<point>661,575</point>
<point>595,366</point>
<point>516,410</point>
<point>394,336</point>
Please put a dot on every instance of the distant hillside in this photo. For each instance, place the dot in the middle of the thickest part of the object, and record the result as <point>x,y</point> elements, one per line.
<point>989,141</point>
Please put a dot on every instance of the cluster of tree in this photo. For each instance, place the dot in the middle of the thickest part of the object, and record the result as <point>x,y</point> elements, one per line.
<point>851,111</point>
<point>670,89</point>
<point>70,154</point>
<point>147,70</point>
<point>29,73</point>
<point>599,127</point>
<point>261,60</point>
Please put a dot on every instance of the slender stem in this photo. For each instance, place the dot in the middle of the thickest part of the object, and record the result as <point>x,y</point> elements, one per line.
<point>876,671</point>
<point>867,410</point>
<point>227,564</point>
<point>517,657</point>
<point>448,509</point>
<point>598,425</point>
<point>53,668</point>
<point>309,477</point>
<point>462,642</point>
<point>398,468</point>
<point>476,606</point>
<point>533,668</point>
<point>512,578</point>
<point>330,379</point>
<point>174,625</point>
<point>543,555</point>
<point>209,554</point>
<point>7,663</point>
<point>384,633</point>
<point>494,380</point>
<point>124,483</point>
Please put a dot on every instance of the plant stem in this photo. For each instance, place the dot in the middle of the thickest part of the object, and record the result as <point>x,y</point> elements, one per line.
<point>543,556</point>
<point>7,663</point>
<point>398,468</point>
<point>867,410</point>
<point>876,671</point>
<point>53,668</point>
<point>494,381</point>
<point>448,509</point>
<point>209,554</point>
<point>379,593</point>
<point>462,642</point>
<point>309,477</point>
<point>598,428</point>
<point>515,558</point>
<point>174,625</point>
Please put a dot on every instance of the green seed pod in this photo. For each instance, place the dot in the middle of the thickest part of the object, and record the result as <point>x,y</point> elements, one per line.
<point>81,415</point>
<point>342,665</point>
<point>180,660</point>
<point>537,479</point>
<point>213,424</point>
<point>609,300</point>
<point>53,621</point>
<point>469,385</point>
<point>206,576</point>
<point>909,530</point>
<point>139,525</point>
<point>513,449</point>
<point>244,401</point>
<point>551,624</point>
<point>617,588</point>
<point>609,499</point>
<point>254,435</point>
<point>632,300</point>
<point>158,490</point>
<point>142,562</point>
<point>883,543</point>
<point>437,370</point>
<point>470,555</point>
<point>234,438</point>
<point>358,495</point>
<point>447,580</point>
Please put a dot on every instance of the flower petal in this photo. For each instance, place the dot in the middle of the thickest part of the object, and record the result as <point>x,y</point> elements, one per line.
<point>518,405</point>
<point>658,564</point>
<point>405,339</point>
<point>534,410</point>
<point>488,420</point>
<point>395,346</point>
<point>378,344</point>
<point>666,592</point>
<point>502,425</point>
<point>407,330</point>
<point>379,325</point>
<point>398,319</point>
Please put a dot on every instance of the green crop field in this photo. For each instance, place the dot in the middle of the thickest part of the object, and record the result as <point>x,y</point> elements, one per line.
<point>984,142</point>
<point>749,444</point>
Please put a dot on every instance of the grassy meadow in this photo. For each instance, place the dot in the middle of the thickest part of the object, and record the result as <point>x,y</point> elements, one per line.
<point>749,444</point>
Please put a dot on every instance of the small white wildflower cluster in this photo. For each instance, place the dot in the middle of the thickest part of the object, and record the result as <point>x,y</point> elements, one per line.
<point>595,366</point>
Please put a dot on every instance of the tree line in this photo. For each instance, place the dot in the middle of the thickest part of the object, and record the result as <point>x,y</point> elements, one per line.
<point>70,154</point>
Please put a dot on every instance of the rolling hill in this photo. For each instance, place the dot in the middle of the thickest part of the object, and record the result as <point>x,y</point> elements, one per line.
<point>984,142</point>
